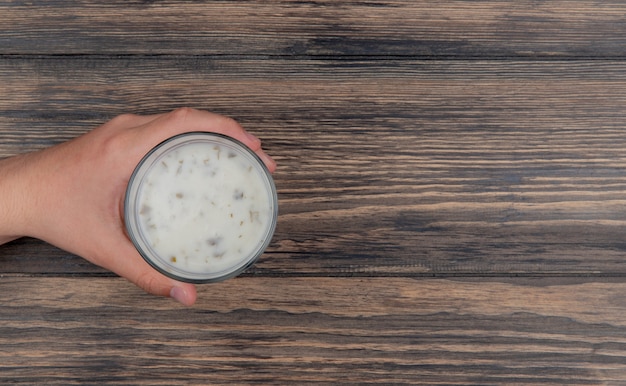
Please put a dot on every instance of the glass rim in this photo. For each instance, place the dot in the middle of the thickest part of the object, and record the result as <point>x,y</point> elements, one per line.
<point>131,214</point>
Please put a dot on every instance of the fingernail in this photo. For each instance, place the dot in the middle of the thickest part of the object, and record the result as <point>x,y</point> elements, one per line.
<point>180,295</point>
<point>269,161</point>
<point>252,138</point>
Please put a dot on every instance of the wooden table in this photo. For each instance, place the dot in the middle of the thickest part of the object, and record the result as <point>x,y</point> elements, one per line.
<point>452,187</point>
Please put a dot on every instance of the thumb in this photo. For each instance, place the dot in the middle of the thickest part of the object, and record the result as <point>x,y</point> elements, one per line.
<point>155,283</point>
<point>131,266</point>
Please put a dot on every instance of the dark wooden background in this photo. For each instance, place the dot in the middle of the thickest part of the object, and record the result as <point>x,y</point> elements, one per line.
<point>452,188</point>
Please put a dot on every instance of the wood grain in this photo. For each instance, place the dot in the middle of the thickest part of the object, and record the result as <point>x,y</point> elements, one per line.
<point>317,330</point>
<point>451,186</point>
<point>410,28</point>
<point>412,167</point>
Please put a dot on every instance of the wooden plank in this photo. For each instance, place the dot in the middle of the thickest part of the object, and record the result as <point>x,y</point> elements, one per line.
<point>452,29</point>
<point>409,167</point>
<point>285,330</point>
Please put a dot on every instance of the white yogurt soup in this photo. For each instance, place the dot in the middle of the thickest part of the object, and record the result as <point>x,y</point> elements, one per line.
<point>201,207</point>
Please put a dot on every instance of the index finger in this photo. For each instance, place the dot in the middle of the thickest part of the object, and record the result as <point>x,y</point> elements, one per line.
<point>185,119</point>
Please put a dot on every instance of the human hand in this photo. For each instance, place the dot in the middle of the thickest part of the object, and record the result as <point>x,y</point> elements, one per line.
<point>72,195</point>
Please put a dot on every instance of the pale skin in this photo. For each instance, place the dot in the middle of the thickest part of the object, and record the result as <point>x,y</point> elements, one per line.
<point>72,195</point>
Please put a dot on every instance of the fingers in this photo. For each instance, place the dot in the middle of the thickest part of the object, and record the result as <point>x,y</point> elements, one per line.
<point>129,121</point>
<point>267,160</point>
<point>186,119</point>
<point>157,128</point>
